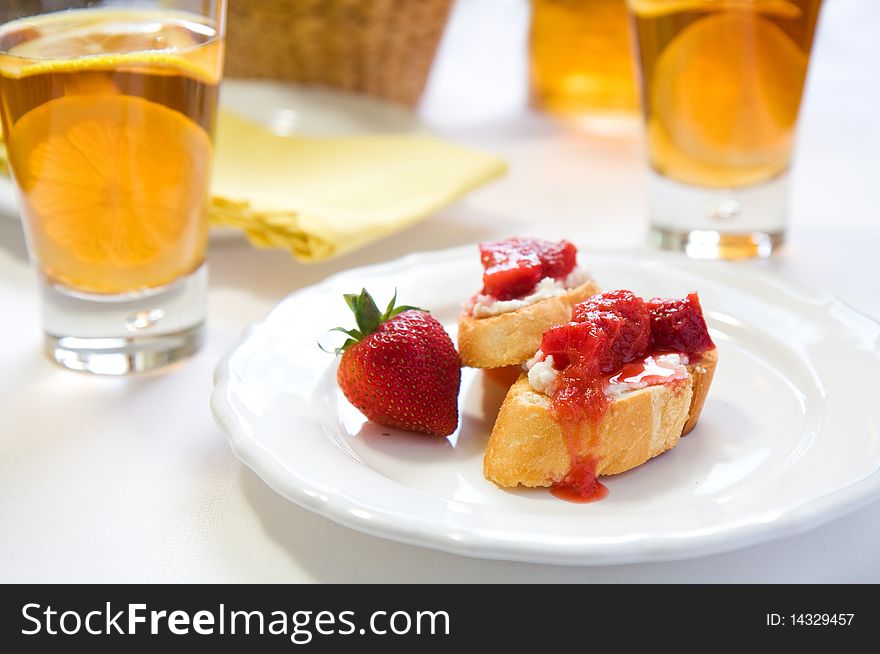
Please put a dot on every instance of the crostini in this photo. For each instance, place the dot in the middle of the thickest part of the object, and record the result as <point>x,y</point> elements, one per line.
<point>529,285</point>
<point>618,384</point>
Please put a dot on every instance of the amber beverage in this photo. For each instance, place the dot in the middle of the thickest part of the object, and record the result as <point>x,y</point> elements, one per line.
<point>108,116</point>
<point>581,58</point>
<point>722,86</point>
<point>112,151</point>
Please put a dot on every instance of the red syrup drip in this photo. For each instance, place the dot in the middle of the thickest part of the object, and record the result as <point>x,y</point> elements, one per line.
<point>575,496</point>
<point>581,401</point>
<point>580,485</point>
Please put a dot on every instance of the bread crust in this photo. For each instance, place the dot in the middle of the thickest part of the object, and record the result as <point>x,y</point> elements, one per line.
<point>702,371</point>
<point>512,338</point>
<point>527,446</point>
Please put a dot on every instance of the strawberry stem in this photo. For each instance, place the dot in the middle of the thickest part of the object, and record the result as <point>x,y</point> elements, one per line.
<point>367,316</point>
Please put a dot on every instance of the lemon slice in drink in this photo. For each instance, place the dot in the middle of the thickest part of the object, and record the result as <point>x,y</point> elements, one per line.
<point>727,89</point>
<point>109,39</point>
<point>111,178</point>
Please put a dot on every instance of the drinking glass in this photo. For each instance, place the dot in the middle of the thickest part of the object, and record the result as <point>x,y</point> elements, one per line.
<point>108,111</point>
<point>581,60</point>
<point>721,87</point>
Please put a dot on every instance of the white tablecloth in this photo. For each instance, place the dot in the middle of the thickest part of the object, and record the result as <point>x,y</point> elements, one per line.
<point>130,480</point>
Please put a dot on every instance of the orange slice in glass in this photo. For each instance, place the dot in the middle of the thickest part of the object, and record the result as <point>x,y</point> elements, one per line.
<point>728,87</point>
<point>110,39</point>
<point>111,179</point>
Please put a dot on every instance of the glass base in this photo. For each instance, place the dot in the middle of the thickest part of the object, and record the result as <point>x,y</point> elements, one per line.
<point>118,335</point>
<point>702,244</point>
<point>122,356</point>
<point>708,223</point>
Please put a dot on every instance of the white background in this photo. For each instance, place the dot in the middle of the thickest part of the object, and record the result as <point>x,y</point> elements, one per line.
<point>130,480</point>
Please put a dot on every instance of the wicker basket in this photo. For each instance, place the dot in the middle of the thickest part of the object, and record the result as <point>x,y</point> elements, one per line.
<point>383,48</point>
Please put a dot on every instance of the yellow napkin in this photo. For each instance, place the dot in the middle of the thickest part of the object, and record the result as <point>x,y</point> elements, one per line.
<point>323,197</point>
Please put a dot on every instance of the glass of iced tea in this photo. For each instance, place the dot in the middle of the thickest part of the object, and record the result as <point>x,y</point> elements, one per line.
<point>108,110</point>
<point>581,61</point>
<point>721,85</point>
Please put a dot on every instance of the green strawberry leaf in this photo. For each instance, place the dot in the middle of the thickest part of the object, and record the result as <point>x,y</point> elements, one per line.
<point>367,316</point>
<point>353,333</point>
<point>390,308</point>
<point>352,302</point>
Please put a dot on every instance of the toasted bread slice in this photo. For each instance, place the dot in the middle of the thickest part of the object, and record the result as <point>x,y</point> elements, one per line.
<point>512,338</point>
<point>527,446</point>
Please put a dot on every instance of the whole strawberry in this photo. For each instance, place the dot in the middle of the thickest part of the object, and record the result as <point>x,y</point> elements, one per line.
<point>400,368</point>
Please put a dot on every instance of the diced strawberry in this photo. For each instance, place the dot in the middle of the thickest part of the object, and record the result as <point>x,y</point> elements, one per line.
<point>554,343</point>
<point>575,343</point>
<point>558,259</point>
<point>624,317</point>
<point>679,326</point>
<point>511,282</point>
<point>623,303</point>
<point>513,267</point>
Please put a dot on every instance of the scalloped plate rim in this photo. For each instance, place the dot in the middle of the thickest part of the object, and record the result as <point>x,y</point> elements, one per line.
<point>811,514</point>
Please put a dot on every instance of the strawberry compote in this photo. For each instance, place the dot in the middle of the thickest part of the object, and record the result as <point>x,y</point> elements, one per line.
<point>512,268</point>
<point>679,326</point>
<point>613,337</point>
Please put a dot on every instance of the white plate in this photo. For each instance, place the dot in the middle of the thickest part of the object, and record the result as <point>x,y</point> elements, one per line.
<point>789,438</point>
